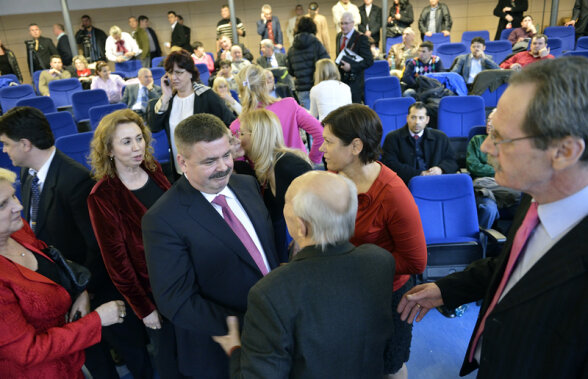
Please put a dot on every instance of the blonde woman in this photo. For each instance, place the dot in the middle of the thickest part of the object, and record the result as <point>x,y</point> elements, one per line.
<point>254,94</point>
<point>221,87</point>
<point>328,93</point>
<point>275,166</point>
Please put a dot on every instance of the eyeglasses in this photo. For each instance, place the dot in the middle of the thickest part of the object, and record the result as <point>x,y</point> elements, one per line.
<point>497,143</point>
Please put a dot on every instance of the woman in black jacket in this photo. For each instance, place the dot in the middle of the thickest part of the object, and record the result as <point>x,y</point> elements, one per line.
<point>510,14</point>
<point>400,17</point>
<point>306,50</point>
<point>8,63</point>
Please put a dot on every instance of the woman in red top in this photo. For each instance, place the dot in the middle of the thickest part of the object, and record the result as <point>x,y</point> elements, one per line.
<point>36,341</point>
<point>387,215</point>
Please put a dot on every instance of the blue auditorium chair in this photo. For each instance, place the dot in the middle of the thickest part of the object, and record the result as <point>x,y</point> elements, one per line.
<point>380,88</point>
<point>62,124</point>
<point>156,61</point>
<point>499,50</point>
<point>36,76</point>
<point>392,113</point>
<point>157,73</point>
<point>44,103</point>
<point>567,35</point>
<point>447,207</point>
<point>9,96</point>
<point>505,33</point>
<point>84,100</point>
<point>161,147</point>
<point>582,43</point>
<point>61,91</point>
<point>449,51</point>
<point>128,69</point>
<point>76,146</point>
<point>577,53</point>
<point>391,41</point>
<point>438,39</point>
<point>468,36</point>
<point>98,112</point>
<point>379,68</point>
<point>204,74</point>
<point>13,77</point>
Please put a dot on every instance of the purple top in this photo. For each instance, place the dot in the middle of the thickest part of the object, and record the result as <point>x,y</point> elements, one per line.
<point>292,117</point>
<point>113,87</point>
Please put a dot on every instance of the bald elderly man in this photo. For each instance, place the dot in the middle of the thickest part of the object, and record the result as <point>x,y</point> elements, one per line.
<point>331,287</point>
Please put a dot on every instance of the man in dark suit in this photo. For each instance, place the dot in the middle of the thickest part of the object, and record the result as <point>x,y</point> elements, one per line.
<point>417,150</point>
<point>580,18</point>
<point>269,27</point>
<point>42,49</point>
<point>532,322</point>
<point>469,65</point>
<point>269,57</point>
<point>180,35</point>
<point>208,240</point>
<point>352,69</point>
<point>441,23</point>
<point>371,20</point>
<point>137,96</point>
<point>63,47</point>
<point>331,287</point>
<point>92,40</point>
<point>54,189</point>
<point>154,48</point>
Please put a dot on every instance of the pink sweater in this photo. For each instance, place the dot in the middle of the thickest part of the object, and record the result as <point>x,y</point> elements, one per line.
<point>292,117</point>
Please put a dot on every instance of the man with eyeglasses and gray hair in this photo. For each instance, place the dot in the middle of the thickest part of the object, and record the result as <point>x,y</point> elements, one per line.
<point>532,321</point>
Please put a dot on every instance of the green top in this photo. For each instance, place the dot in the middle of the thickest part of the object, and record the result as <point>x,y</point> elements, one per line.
<point>140,35</point>
<point>476,160</point>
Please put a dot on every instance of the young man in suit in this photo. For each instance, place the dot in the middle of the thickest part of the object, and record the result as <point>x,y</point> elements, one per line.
<point>416,149</point>
<point>180,34</point>
<point>63,47</point>
<point>290,339</point>
<point>137,96</point>
<point>371,20</point>
<point>470,65</point>
<point>42,49</point>
<point>269,57</point>
<point>54,189</point>
<point>352,71</point>
<point>435,18</point>
<point>532,319</point>
<point>208,240</point>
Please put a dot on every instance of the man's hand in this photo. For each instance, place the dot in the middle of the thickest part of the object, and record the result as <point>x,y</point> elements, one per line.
<point>544,52</point>
<point>263,18</point>
<point>397,16</point>
<point>432,171</point>
<point>508,18</point>
<point>81,304</point>
<point>232,339</point>
<point>506,9</point>
<point>129,54</point>
<point>278,46</point>
<point>418,301</point>
<point>345,66</point>
<point>571,23</point>
<point>516,67</point>
<point>368,33</point>
<point>152,320</point>
<point>428,34</point>
<point>120,58</point>
<point>445,32</point>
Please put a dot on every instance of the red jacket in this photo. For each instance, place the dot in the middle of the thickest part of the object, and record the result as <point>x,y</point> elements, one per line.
<point>35,341</point>
<point>116,218</point>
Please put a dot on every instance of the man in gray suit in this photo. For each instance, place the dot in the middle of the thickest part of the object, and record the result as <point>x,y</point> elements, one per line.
<point>470,65</point>
<point>319,304</point>
<point>532,322</point>
<point>269,57</point>
<point>137,96</point>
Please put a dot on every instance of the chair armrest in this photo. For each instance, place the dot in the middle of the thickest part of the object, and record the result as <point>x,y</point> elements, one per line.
<point>494,235</point>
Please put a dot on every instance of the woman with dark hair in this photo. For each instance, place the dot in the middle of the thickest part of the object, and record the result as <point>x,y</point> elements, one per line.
<point>387,215</point>
<point>8,62</point>
<point>306,50</point>
<point>112,84</point>
<point>399,18</point>
<point>182,96</point>
<point>510,15</point>
<point>45,328</point>
<point>200,56</point>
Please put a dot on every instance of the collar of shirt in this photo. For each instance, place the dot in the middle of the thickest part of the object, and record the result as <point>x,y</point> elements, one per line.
<point>44,170</point>
<point>560,216</point>
<point>60,35</point>
<point>348,35</point>
<point>211,196</point>
<point>413,134</point>
<point>368,8</point>
<point>174,25</point>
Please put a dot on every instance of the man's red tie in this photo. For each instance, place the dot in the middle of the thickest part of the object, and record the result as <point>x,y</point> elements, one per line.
<point>343,43</point>
<point>529,223</point>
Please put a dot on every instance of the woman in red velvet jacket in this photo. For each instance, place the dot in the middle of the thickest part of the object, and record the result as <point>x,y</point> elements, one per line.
<point>129,182</point>
<point>36,341</point>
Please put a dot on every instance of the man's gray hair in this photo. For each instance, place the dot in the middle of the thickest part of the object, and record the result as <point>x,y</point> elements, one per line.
<point>267,43</point>
<point>327,226</point>
<point>558,108</point>
<point>348,15</point>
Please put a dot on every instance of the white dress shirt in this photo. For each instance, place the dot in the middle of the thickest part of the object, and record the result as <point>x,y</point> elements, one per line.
<point>130,44</point>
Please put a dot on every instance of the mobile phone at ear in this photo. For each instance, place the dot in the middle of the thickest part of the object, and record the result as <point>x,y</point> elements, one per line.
<point>166,81</point>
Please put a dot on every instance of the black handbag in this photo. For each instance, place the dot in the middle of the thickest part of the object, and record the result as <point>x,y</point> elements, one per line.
<point>74,277</point>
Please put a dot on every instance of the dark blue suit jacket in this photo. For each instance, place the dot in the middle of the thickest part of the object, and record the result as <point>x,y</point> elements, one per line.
<point>200,271</point>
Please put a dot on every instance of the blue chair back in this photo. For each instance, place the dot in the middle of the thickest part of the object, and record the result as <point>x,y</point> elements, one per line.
<point>76,146</point>
<point>13,77</point>
<point>499,50</point>
<point>476,130</point>
<point>36,76</point>
<point>157,73</point>
<point>449,51</point>
<point>61,91</point>
<point>381,87</point>
<point>204,74</point>
<point>392,113</point>
<point>457,114</point>
<point>98,112</point>
<point>156,61</point>
<point>438,39</point>
<point>505,33</point>
<point>44,103</point>
<point>62,124</point>
<point>577,53</point>
<point>160,145</point>
<point>235,95</point>
<point>379,68</point>
<point>447,207</point>
<point>129,69</point>
<point>567,35</point>
<point>211,55</point>
<point>9,96</point>
<point>467,37</point>
<point>555,47</point>
<point>82,102</point>
<point>582,43</point>
<point>391,41</point>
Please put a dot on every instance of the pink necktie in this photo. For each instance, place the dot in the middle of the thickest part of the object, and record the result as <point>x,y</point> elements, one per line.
<point>241,232</point>
<point>529,223</point>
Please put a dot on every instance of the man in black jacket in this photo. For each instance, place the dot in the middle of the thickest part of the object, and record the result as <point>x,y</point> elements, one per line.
<point>63,46</point>
<point>580,18</point>
<point>417,150</point>
<point>440,23</point>
<point>92,40</point>
<point>42,49</point>
<point>180,35</point>
<point>371,20</point>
